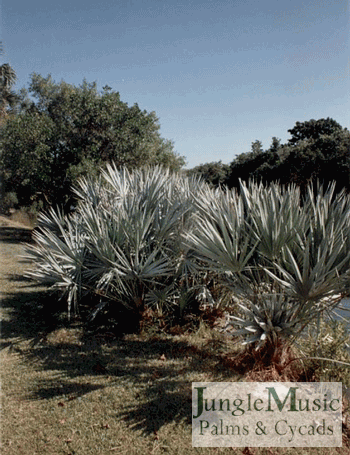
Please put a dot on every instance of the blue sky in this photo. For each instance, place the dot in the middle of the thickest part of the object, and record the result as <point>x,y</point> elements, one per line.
<point>219,74</point>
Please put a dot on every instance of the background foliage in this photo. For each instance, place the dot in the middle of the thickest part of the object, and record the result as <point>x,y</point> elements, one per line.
<point>61,132</point>
<point>317,150</point>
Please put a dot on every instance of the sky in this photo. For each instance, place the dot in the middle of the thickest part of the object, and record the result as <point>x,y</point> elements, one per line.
<point>219,74</point>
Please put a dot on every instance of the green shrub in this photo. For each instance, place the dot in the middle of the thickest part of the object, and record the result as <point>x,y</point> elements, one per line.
<point>326,347</point>
<point>10,201</point>
<point>123,245</point>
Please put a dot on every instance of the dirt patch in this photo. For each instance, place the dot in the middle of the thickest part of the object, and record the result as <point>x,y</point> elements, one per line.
<point>7,222</point>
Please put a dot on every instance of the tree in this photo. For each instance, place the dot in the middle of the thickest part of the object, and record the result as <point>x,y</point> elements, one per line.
<point>69,131</point>
<point>257,147</point>
<point>318,150</point>
<point>214,173</point>
<point>258,164</point>
<point>8,79</point>
<point>28,167</point>
<point>313,129</point>
<point>325,158</point>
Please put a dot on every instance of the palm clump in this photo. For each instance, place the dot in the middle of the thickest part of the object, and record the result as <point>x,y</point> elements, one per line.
<point>286,256</point>
<point>279,260</point>
<point>122,245</point>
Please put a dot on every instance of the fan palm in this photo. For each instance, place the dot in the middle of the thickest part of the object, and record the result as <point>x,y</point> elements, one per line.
<point>287,258</point>
<point>123,244</point>
<point>8,78</point>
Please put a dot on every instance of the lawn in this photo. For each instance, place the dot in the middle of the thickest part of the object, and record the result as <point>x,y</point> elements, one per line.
<point>65,391</point>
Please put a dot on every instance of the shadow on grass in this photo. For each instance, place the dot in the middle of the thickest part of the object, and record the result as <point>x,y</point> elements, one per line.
<point>32,313</point>
<point>48,389</point>
<point>15,234</point>
<point>163,406</point>
<point>75,366</point>
<point>89,363</point>
<point>163,391</point>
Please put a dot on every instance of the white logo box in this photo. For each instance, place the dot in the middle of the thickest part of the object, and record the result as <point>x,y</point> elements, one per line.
<point>266,414</point>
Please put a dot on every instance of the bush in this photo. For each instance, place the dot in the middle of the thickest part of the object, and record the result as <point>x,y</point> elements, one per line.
<point>10,201</point>
<point>285,256</point>
<point>122,247</point>
<point>153,240</point>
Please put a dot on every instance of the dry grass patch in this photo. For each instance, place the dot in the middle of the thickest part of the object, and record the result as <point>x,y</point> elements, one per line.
<point>140,404</point>
<point>64,335</point>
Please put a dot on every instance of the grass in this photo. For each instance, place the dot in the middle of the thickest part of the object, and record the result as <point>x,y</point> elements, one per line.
<point>65,391</point>
<point>24,218</point>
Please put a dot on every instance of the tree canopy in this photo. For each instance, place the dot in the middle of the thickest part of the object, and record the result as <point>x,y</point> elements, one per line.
<point>317,150</point>
<point>257,164</point>
<point>8,78</point>
<point>62,131</point>
<point>214,173</point>
<point>313,129</point>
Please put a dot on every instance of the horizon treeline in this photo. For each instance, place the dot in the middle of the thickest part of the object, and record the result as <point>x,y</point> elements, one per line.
<point>318,150</point>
